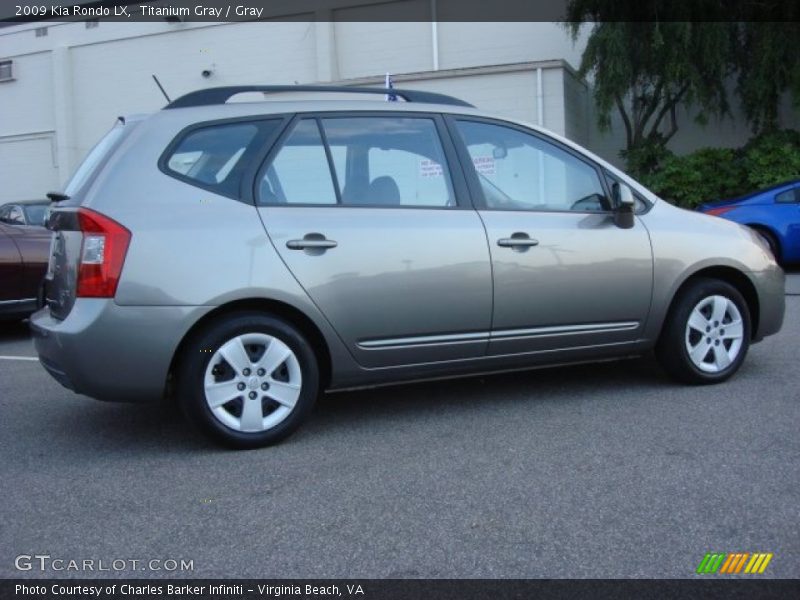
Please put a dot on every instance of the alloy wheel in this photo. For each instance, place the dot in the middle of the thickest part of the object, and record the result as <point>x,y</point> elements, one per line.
<point>714,334</point>
<point>252,382</point>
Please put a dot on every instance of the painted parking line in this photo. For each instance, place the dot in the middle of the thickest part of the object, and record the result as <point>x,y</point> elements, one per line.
<point>18,358</point>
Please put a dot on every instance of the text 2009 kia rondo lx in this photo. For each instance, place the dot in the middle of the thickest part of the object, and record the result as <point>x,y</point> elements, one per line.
<point>245,256</point>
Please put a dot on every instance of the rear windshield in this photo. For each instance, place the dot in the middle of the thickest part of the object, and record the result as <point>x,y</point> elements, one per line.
<point>94,158</point>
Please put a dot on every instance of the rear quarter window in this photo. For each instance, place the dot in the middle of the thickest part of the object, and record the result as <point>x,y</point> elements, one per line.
<point>215,156</point>
<point>788,197</point>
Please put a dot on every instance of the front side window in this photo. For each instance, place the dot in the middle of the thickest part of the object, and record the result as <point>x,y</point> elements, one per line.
<point>520,171</point>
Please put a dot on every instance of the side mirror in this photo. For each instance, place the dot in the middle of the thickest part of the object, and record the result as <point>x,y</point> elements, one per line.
<point>624,205</point>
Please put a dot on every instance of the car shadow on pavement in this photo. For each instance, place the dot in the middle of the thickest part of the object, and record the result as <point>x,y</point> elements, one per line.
<point>161,427</point>
<point>119,428</point>
<point>504,390</point>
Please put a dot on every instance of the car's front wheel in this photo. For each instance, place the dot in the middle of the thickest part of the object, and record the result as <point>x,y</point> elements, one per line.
<point>707,333</point>
<point>771,241</point>
<point>248,380</point>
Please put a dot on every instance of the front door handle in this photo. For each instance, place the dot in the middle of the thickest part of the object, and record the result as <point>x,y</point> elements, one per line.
<point>311,242</point>
<point>518,241</point>
<point>303,244</point>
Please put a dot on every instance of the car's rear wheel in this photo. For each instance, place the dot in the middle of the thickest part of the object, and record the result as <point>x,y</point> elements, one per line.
<point>707,333</point>
<point>248,380</point>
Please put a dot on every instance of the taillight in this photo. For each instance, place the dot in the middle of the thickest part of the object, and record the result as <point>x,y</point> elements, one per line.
<point>720,210</point>
<point>105,244</point>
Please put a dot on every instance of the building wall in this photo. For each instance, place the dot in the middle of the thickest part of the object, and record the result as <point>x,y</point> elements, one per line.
<point>73,83</point>
<point>27,129</point>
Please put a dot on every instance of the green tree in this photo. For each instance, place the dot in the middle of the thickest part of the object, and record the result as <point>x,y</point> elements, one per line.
<point>647,70</point>
<point>651,58</point>
<point>768,63</point>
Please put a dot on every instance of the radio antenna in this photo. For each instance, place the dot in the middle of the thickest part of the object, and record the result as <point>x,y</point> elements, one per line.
<point>158,83</point>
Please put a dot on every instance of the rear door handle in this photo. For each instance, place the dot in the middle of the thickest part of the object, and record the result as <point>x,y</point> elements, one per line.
<point>518,240</point>
<point>311,241</point>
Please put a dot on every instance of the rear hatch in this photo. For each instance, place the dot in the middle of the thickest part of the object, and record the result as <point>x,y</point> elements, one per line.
<point>83,241</point>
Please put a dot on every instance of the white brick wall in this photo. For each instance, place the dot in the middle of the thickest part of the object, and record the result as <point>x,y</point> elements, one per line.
<point>114,78</point>
<point>27,102</point>
<point>366,49</point>
<point>28,166</point>
<point>475,44</point>
<point>109,69</point>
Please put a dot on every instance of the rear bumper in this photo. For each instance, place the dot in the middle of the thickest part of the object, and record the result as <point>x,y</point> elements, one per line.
<point>770,285</point>
<point>111,352</point>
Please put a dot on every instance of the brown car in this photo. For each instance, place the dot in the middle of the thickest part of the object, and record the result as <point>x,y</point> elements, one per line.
<point>24,252</point>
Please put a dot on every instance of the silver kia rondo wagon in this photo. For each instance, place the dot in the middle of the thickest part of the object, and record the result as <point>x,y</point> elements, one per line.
<point>245,256</point>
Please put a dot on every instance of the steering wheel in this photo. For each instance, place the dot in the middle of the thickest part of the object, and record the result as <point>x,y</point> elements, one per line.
<point>592,202</point>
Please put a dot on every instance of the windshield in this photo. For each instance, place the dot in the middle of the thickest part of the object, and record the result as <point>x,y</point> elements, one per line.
<point>94,158</point>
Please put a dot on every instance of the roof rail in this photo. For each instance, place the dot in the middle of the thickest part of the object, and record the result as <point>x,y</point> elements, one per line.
<point>220,95</point>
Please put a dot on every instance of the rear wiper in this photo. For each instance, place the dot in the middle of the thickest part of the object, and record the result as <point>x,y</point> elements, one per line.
<point>57,196</point>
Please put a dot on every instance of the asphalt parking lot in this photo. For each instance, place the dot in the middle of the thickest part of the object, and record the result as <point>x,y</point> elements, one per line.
<point>602,471</point>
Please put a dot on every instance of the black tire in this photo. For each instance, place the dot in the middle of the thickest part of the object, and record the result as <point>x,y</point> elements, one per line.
<point>672,351</point>
<point>191,373</point>
<point>772,242</point>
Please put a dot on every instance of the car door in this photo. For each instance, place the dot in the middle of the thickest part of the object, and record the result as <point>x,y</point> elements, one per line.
<point>565,276</point>
<point>34,247</point>
<point>785,219</point>
<point>369,215</point>
<point>10,269</point>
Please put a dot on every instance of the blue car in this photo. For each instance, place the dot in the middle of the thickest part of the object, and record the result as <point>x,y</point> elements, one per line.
<point>773,212</point>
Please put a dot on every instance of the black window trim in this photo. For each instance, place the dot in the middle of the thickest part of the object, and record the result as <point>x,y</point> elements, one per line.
<point>610,180</point>
<point>163,161</point>
<point>471,175</point>
<point>337,188</point>
<point>458,183</point>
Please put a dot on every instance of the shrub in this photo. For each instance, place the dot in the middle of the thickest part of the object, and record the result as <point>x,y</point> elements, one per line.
<point>704,175</point>
<point>772,158</point>
<point>711,174</point>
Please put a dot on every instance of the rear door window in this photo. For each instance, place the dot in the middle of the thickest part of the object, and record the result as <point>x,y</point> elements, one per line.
<point>389,161</point>
<point>360,161</point>
<point>300,172</point>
